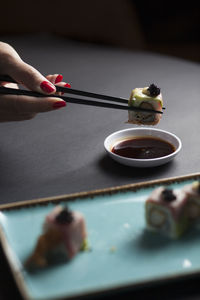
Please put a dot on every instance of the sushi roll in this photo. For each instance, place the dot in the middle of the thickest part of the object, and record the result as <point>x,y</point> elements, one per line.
<point>193,206</point>
<point>165,212</point>
<point>64,235</point>
<point>148,98</point>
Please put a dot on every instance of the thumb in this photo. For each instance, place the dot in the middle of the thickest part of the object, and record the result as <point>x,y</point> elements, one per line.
<point>27,75</point>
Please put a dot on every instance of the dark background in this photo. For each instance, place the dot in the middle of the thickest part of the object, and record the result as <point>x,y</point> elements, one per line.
<point>169,27</point>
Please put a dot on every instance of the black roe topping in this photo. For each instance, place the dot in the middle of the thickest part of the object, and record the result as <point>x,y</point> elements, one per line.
<point>153,90</point>
<point>64,217</point>
<point>168,195</point>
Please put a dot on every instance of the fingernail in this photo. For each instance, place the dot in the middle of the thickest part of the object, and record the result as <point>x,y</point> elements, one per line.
<point>47,87</point>
<point>59,78</point>
<point>67,85</point>
<point>59,104</point>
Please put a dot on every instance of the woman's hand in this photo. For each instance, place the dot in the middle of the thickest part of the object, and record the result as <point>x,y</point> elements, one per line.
<point>16,107</point>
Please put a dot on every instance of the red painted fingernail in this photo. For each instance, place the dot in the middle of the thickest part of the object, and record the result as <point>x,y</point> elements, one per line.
<point>47,87</point>
<point>59,104</point>
<point>68,85</point>
<point>59,78</point>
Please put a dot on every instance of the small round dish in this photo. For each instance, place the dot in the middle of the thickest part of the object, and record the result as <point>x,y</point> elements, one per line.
<point>126,134</point>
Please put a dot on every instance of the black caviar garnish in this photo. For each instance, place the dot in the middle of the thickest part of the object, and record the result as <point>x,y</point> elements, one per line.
<point>153,90</point>
<point>168,195</point>
<point>64,217</point>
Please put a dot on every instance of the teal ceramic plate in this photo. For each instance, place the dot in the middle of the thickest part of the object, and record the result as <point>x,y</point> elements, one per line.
<point>122,253</point>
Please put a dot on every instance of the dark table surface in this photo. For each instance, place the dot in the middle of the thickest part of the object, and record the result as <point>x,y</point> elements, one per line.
<point>62,152</point>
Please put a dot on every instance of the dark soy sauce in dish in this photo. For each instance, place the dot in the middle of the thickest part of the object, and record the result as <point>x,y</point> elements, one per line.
<point>143,147</point>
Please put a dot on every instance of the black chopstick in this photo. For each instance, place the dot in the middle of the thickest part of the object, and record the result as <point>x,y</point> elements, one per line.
<point>11,91</point>
<point>62,89</point>
<point>7,78</point>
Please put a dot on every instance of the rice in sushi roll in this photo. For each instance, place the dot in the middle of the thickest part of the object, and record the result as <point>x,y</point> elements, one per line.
<point>148,98</point>
<point>193,206</point>
<point>165,212</point>
<point>64,235</point>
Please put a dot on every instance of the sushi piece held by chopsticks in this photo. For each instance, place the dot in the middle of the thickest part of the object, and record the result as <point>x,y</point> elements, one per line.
<point>147,98</point>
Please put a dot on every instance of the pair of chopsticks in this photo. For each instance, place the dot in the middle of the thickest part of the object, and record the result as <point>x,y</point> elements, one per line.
<point>11,91</point>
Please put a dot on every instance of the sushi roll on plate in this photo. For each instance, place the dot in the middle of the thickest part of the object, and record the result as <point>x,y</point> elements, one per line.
<point>148,98</point>
<point>193,206</point>
<point>165,212</point>
<point>64,235</point>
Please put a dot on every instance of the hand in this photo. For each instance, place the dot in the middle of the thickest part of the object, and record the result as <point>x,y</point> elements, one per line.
<point>18,108</point>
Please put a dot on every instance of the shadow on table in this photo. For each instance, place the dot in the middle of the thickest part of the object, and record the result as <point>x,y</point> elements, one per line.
<point>117,170</point>
<point>155,241</point>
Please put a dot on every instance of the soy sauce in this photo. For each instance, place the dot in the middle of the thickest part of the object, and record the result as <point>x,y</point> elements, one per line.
<point>143,148</point>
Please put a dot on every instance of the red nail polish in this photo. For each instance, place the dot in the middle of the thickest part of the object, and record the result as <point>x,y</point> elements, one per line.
<point>59,104</point>
<point>68,85</point>
<point>47,87</point>
<point>59,78</point>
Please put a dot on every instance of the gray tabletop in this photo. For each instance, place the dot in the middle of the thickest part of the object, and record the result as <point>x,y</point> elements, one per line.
<point>62,152</point>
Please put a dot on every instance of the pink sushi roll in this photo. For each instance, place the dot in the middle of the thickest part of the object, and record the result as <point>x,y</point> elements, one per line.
<point>166,213</point>
<point>64,235</point>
